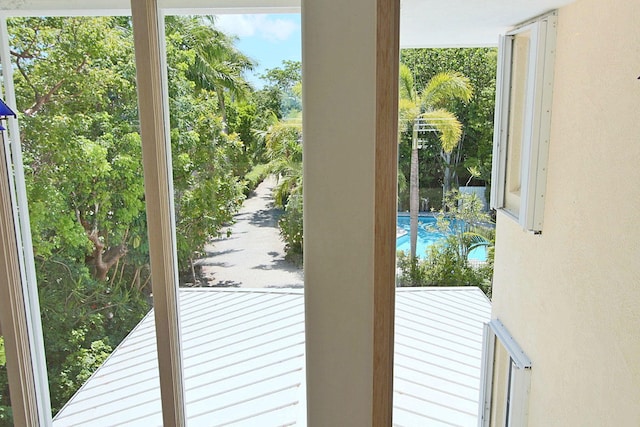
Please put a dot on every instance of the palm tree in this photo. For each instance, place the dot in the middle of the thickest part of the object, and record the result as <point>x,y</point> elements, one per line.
<point>217,65</point>
<point>283,141</point>
<point>426,112</point>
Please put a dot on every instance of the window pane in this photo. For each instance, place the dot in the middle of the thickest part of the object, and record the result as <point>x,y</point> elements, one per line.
<point>500,388</point>
<point>517,100</point>
<point>75,89</point>
<point>236,144</point>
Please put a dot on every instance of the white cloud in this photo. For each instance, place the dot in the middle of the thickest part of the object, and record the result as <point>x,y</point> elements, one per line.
<point>264,26</point>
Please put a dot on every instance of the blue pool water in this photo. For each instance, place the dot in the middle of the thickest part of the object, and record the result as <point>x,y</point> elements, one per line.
<point>428,234</point>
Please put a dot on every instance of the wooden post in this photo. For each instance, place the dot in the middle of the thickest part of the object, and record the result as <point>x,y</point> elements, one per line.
<point>156,158</point>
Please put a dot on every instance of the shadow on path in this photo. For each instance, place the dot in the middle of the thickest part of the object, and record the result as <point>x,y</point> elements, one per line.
<point>253,256</point>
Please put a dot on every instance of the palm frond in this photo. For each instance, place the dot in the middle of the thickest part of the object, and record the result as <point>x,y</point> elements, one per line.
<point>406,88</point>
<point>448,127</point>
<point>445,87</point>
<point>407,112</point>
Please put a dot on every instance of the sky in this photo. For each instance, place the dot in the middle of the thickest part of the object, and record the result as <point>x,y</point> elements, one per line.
<point>267,39</point>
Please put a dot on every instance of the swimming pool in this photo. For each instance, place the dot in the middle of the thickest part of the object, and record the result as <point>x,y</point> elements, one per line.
<point>428,234</point>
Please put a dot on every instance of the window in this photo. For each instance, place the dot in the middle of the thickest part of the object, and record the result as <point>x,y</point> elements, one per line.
<point>506,371</point>
<point>369,271</point>
<point>522,123</point>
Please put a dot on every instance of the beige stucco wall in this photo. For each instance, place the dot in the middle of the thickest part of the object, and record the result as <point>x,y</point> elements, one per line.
<point>571,296</point>
<point>339,121</point>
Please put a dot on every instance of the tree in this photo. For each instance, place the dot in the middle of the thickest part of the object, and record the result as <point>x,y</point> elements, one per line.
<point>283,143</point>
<point>475,146</point>
<point>76,93</point>
<point>207,192</point>
<point>427,108</point>
<point>214,64</point>
<point>284,84</point>
<point>283,140</point>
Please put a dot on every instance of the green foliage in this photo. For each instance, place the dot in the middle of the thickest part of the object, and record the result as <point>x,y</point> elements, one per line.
<point>475,148</point>
<point>205,69</point>
<point>6,415</point>
<point>82,319</point>
<point>291,229</point>
<point>449,128</point>
<point>284,151</point>
<point>434,196</point>
<point>76,93</point>
<point>255,176</point>
<point>283,83</point>
<point>283,143</point>
<point>282,138</point>
<point>443,267</point>
<point>447,264</point>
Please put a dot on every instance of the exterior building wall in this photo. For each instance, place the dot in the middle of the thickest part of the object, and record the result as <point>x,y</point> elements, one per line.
<point>571,296</point>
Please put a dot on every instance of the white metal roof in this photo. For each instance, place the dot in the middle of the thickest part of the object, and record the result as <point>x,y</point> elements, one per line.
<point>438,352</point>
<point>244,362</point>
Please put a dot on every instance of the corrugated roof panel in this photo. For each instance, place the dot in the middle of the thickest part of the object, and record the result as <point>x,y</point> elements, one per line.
<point>438,351</point>
<point>243,359</point>
<point>244,362</point>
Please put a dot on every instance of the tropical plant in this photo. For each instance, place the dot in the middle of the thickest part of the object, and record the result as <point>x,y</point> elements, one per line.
<point>215,64</point>
<point>476,145</point>
<point>284,152</point>
<point>425,111</point>
<point>283,142</point>
<point>292,230</point>
<point>284,83</point>
<point>447,263</point>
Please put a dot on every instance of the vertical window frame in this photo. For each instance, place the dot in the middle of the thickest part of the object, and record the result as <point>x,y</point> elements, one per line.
<point>26,312</point>
<point>516,398</point>
<point>153,111</point>
<point>385,203</point>
<point>536,121</point>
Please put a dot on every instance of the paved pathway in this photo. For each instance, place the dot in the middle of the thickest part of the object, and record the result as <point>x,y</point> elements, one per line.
<point>253,256</point>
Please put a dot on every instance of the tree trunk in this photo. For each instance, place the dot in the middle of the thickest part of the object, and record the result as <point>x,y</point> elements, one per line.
<point>414,195</point>
<point>193,272</point>
<point>446,183</point>
<point>102,260</point>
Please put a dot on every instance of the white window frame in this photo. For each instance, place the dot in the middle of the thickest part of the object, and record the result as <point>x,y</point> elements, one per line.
<point>387,39</point>
<point>536,121</point>
<point>28,323</point>
<point>516,400</point>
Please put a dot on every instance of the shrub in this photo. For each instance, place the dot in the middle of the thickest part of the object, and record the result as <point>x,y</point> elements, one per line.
<point>291,229</point>
<point>254,177</point>
<point>447,261</point>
